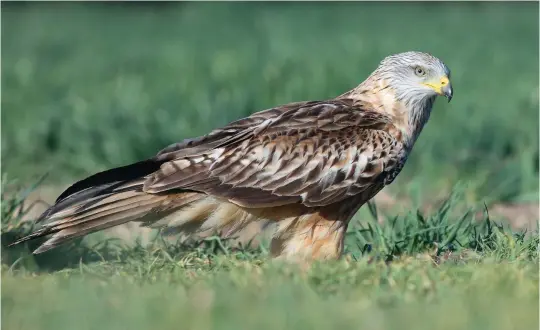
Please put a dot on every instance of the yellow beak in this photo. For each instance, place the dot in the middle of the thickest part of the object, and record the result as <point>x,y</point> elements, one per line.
<point>442,87</point>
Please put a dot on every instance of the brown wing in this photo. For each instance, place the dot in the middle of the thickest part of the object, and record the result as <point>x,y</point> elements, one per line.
<point>222,136</point>
<point>314,153</point>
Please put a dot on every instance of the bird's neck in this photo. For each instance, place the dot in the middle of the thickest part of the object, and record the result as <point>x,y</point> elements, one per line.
<point>408,115</point>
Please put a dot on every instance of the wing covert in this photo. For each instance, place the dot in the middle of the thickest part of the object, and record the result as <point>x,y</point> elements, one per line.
<point>317,153</point>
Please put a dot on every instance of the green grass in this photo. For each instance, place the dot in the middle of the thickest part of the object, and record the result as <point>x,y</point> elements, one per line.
<point>88,86</point>
<point>234,294</point>
<point>425,271</point>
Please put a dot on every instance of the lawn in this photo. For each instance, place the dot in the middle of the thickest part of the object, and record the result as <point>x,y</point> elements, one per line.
<point>88,86</point>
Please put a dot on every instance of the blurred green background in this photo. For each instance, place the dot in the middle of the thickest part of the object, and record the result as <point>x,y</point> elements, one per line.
<point>88,86</point>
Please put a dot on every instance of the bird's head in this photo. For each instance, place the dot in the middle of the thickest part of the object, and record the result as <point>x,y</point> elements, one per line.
<point>416,76</point>
<point>404,87</point>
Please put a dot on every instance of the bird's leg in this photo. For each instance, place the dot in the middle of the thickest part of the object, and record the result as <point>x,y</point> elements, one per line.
<point>309,237</point>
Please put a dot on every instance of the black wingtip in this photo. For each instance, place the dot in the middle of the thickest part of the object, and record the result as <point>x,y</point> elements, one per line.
<point>123,173</point>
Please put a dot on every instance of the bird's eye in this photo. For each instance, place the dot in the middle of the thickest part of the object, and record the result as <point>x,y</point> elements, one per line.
<point>420,72</point>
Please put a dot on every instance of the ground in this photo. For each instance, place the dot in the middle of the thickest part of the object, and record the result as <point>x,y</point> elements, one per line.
<point>87,86</point>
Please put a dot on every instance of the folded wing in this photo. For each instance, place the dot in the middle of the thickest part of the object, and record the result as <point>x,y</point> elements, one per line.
<point>316,154</point>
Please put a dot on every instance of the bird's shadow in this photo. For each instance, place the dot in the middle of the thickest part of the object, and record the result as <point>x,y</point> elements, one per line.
<point>70,255</point>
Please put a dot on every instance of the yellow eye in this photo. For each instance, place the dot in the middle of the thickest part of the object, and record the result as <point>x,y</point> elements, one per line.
<point>420,72</point>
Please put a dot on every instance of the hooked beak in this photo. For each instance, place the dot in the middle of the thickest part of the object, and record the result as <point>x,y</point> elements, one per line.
<point>443,88</point>
<point>447,91</point>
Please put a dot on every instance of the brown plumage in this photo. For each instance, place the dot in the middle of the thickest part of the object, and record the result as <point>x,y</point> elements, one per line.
<point>306,166</point>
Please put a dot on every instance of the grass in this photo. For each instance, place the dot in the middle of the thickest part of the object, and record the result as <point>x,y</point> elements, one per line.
<point>425,271</point>
<point>87,86</point>
<point>241,295</point>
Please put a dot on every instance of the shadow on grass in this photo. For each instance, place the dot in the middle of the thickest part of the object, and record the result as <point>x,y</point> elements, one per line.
<point>65,256</point>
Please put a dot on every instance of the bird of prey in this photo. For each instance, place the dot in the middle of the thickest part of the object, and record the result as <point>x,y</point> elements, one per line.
<point>307,167</point>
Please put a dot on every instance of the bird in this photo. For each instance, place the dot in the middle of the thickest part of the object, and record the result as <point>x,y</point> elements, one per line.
<point>305,167</point>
